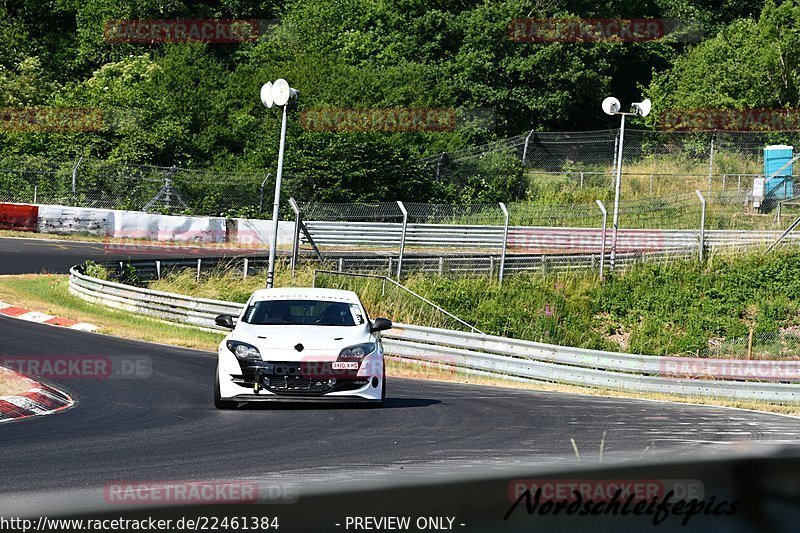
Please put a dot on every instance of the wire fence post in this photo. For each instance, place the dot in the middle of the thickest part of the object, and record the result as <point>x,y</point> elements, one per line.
<point>261,194</point>
<point>75,179</point>
<point>505,243</point>
<point>402,239</point>
<point>711,163</point>
<point>702,222</point>
<point>525,149</point>
<point>439,165</point>
<point>603,238</point>
<point>298,220</point>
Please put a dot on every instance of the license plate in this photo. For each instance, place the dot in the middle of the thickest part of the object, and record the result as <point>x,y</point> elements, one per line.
<point>350,365</point>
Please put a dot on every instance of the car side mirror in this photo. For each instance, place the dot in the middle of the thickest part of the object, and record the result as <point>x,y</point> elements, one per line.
<point>381,324</point>
<point>226,321</point>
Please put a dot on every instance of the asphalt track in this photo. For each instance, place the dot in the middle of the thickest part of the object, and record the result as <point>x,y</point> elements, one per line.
<point>24,255</point>
<point>163,426</point>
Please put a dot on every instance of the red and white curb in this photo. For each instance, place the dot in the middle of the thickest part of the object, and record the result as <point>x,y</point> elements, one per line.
<point>38,400</point>
<point>43,318</point>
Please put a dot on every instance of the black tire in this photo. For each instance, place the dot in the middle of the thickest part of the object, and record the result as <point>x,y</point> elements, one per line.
<point>218,402</point>
<point>383,392</point>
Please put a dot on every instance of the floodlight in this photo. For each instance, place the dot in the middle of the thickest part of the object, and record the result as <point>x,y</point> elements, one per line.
<point>642,108</point>
<point>611,105</point>
<point>281,92</point>
<point>266,95</point>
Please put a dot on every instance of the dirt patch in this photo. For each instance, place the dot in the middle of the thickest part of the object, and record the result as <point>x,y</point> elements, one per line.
<point>11,383</point>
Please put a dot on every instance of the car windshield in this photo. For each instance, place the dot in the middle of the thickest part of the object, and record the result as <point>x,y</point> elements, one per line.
<point>303,313</point>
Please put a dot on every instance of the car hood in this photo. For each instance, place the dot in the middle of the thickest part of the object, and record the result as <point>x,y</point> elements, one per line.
<point>318,342</point>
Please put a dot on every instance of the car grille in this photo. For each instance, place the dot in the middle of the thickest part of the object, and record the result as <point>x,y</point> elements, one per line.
<point>298,384</point>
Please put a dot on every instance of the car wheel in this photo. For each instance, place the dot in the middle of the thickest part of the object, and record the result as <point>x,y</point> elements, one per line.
<point>219,403</point>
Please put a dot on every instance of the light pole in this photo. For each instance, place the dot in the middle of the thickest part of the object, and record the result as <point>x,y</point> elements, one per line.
<point>612,107</point>
<point>279,94</point>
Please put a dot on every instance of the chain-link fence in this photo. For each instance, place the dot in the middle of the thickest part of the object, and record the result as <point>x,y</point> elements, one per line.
<point>576,164</point>
<point>545,168</point>
<point>169,190</point>
<point>491,239</point>
<point>782,344</point>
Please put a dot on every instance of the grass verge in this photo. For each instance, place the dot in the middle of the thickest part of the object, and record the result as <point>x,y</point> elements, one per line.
<point>683,308</point>
<point>48,293</point>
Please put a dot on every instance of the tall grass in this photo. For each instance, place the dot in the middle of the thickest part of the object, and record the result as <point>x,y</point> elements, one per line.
<point>658,309</point>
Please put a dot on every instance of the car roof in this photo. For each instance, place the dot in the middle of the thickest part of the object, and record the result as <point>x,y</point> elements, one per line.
<point>305,293</point>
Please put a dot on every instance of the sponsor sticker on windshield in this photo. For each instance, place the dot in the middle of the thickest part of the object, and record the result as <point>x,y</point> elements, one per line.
<point>357,316</point>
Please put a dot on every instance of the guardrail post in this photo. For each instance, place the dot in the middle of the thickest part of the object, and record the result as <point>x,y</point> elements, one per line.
<point>505,243</point>
<point>603,241</point>
<point>702,222</point>
<point>298,219</point>
<point>402,239</point>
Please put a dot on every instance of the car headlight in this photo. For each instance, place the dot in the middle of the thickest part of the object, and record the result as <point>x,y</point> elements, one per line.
<point>244,351</point>
<point>357,352</point>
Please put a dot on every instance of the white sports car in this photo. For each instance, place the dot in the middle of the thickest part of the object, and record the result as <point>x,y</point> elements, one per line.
<point>301,344</point>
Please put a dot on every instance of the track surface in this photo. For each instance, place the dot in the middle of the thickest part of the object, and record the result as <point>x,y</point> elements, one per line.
<point>24,256</point>
<point>164,427</point>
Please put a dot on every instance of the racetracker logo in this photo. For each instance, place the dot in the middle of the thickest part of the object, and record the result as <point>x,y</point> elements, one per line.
<point>605,489</point>
<point>582,240</point>
<point>189,242</point>
<point>80,366</point>
<point>195,492</point>
<point>46,119</point>
<point>730,119</point>
<point>182,31</point>
<point>569,30</point>
<point>735,369</point>
<point>394,119</point>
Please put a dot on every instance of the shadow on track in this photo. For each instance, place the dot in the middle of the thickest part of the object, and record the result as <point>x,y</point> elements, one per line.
<point>390,403</point>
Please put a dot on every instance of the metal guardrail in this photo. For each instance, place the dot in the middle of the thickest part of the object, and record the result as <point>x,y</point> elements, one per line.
<point>382,234</point>
<point>499,356</point>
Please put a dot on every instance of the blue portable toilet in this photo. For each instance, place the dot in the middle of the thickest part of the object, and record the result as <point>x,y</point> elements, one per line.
<point>778,180</point>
